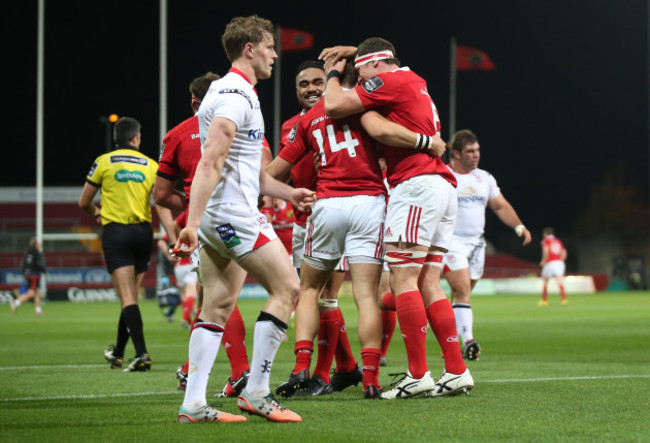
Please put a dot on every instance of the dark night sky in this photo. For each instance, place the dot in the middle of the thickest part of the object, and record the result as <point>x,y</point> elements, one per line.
<point>568,100</point>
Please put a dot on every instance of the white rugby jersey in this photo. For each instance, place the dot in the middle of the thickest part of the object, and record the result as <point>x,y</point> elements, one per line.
<point>474,189</point>
<point>234,98</point>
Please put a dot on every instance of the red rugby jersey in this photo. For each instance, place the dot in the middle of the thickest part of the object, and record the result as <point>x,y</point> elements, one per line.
<point>348,160</point>
<point>402,97</point>
<point>181,152</point>
<point>554,246</point>
<point>303,173</point>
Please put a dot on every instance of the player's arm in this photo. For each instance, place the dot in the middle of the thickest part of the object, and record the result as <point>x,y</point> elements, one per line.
<point>340,103</point>
<point>300,198</point>
<point>266,204</point>
<point>544,255</point>
<point>564,254</point>
<point>167,221</point>
<point>506,213</point>
<point>280,169</point>
<point>208,173</point>
<point>165,194</point>
<point>86,201</point>
<point>336,53</point>
<point>396,135</point>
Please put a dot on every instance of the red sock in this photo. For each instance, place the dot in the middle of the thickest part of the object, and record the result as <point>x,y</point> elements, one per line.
<point>562,292</point>
<point>544,294</point>
<point>188,307</point>
<point>328,336</point>
<point>388,322</point>
<point>234,341</point>
<point>370,358</point>
<point>388,301</point>
<point>304,349</point>
<point>443,322</point>
<point>345,361</point>
<point>413,323</point>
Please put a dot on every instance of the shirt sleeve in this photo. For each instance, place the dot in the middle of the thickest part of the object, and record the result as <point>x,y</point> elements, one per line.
<point>493,188</point>
<point>168,164</point>
<point>94,176</point>
<point>378,91</point>
<point>233,104</point>
<point>296,146</point>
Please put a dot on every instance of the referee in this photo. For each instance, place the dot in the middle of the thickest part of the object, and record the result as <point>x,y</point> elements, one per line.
<point>126,178</point>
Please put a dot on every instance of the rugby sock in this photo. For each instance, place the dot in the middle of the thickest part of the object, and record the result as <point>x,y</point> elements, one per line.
<point>544,293</point>
<point>187,362</point>
<point>188,307</point>
<point>370,358</point>
<point>345,361</point>
<point>234,343</point>
<point>328,336</point>
<point>464,321</point>
<point>16,303</point>
<point>204,344</point>
<point>133,320</point>
<point>303,350</point>
<point>388,301</point>
<point>388,323</point>
<point>413,324</point>
<point>562,292</point>
<point>122,337</point>
<point>443,323</point>
<point>269,331</point>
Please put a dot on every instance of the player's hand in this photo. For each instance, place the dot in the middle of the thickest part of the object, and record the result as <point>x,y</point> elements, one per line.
<point>438,146</point>
<point>336,53</point>
<point>335,66</point>
<point>303,199</point>
<point>525,233</point>
<point>187,242</point>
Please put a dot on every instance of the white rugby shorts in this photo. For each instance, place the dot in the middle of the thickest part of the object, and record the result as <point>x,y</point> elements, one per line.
<point>422,210</point>
<point>235,231</point>
<point>298,243</point>
<point>184,275</point>
<point>462,255</point>
<point>553,268</point>
<point>346,226</point>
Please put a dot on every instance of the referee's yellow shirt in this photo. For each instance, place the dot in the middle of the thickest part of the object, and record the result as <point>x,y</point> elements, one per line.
<point>126,178</point>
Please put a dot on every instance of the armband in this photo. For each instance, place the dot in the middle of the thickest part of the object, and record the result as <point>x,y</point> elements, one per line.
<point>334,74</point>
<point>519,229</point>
<point>423,142</point>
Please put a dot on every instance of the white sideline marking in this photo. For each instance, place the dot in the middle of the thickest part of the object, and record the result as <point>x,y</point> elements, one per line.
<point>90,396</point>
<point>140,394</point>
<point>23,368</point>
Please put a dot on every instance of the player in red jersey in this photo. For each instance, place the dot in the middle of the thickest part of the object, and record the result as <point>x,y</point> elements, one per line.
<point>421,212</point>
<point>332,334</point>
<point>553,264</point>
<point>283,220</point>
<point>180,154</point>
<point>346,220</point>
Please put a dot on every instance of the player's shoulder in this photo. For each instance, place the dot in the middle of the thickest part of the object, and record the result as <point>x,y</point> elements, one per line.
<point>290,123</point>
<point>233,85</point>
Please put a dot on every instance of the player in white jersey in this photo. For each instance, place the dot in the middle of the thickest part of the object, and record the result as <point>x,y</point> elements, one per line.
<point>223,214</point>
<point>464,262</point>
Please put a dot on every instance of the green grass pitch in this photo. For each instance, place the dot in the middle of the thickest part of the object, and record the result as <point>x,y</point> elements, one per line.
<point>576,373</point>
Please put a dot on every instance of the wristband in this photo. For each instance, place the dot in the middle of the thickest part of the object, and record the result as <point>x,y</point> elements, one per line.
<point>423,142</point>
<point>519,229</point>
<point>334,74</point>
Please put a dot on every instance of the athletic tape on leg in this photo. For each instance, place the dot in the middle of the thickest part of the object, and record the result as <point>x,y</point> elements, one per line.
<point>434,259</point>
<point>405,259</point>
<point>328,303</point>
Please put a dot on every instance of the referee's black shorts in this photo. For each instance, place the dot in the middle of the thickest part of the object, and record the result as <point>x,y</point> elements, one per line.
<point>126,245</point>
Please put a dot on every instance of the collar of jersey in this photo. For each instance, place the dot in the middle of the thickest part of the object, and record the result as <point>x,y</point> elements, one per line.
<point>244,76</point>
<point>126,147</point>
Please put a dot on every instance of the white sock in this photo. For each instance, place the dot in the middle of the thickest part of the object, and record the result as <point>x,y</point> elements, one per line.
<point>38,310</point>
<point>204,344</point>
<point>464,321</point>
<point>17,303</point>
<point>266,341</point>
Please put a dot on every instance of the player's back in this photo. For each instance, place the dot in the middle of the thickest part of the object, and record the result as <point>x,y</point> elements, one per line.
<point>555,248</point>
<point>181,153</point>
<point>402,97</point>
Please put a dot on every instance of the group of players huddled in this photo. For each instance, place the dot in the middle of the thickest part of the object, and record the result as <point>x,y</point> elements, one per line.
<point>370,195</point>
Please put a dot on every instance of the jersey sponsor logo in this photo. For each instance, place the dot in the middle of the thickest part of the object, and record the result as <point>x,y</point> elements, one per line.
<point>129,159</point>
<point>256,134</point>
<point>124,175</point>
<point>372,84</point>
<point>292,133</point>
<point>228,235</point>
<point>92,169</point>
<point>319,119</point>
<point>237,91</point>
